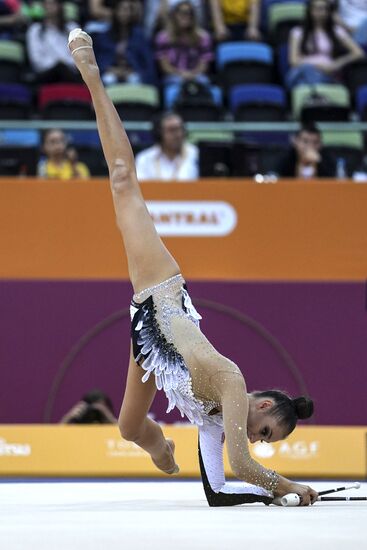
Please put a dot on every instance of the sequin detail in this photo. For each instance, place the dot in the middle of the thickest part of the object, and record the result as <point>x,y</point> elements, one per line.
<point>159,356</point>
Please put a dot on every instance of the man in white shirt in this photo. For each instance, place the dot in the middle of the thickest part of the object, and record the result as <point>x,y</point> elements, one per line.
<point>172,158</point>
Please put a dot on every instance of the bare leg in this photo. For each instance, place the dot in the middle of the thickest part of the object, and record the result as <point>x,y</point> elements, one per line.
<point>136,426</point>
<point>148,259</point>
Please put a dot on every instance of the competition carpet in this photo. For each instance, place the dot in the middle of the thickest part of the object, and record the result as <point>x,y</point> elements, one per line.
<point>174,515</point>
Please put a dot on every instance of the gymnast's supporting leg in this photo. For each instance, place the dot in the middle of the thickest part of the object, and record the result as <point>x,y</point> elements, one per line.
<point>149,261</point>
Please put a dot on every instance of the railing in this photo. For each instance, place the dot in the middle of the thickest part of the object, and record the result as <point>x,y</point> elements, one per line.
<point>191,126</point>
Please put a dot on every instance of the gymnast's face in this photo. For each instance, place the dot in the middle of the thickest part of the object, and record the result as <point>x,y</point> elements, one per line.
<point>261,425</point>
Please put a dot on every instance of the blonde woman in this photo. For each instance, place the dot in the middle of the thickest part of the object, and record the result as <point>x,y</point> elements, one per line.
<point>183,50</point>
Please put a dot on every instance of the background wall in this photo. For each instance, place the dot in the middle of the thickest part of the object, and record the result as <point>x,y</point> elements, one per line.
<point>295,263</point>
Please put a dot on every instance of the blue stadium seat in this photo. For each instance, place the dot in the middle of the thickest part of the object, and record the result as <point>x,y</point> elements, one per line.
<point>257,103</point>
<point>231,52</point>
<point>253,93</point>
<point>245,63</point>
<point>15,102</point>
<point>361,102</point>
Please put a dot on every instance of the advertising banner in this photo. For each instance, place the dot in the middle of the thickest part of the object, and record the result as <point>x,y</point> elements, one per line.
<point>82,451</point>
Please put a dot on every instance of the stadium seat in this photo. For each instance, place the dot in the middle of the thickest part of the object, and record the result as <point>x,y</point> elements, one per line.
<point>344,145</point>
<point>195,136</point>
<point>215,159</point>
<point>346,138</point>
<point>18,161</point>
<point>282,17</point>
<point>361,102</point>
<point>15,102</point>
<point>321,102</point>
<point>138,102</point>
<point>202,110</point>
<point>245,63</point>
<point>282,60</point>
<point>256,103</point>
<point>265,7</point>
<point>355,75</point>
<point>65,102</point>
<point>11,61</point>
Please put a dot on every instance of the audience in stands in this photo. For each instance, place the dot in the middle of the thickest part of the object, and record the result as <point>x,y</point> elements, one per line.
<point>319,49</point>
<point>305,158</point>
<point>122,51</point>
<point>236,19</point>
<point>95,407</point>
<point>60,162</point>
<point>47,45</point>
<point>352,15</point>
<point>172,157</point>
<point>156,14</point>
<point>100,10</point>
<point>183,50</point>
<point>11,18</point>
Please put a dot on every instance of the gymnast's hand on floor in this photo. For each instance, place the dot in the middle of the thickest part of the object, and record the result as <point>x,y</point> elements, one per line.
<point>307,495</point>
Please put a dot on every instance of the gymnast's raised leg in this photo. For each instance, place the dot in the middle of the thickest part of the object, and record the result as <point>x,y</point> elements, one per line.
<point>149,261</point>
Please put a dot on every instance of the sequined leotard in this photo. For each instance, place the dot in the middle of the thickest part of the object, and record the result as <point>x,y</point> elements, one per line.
<point>168,344</point>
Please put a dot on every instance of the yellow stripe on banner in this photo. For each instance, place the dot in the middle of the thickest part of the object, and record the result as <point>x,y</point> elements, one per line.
<point>78,451</point>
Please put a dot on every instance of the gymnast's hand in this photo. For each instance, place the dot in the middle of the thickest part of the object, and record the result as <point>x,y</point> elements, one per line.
<point>307,495</point>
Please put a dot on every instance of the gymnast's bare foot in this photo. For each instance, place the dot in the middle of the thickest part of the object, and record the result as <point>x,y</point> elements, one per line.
<point>166,462</point>
<point>80,45</point>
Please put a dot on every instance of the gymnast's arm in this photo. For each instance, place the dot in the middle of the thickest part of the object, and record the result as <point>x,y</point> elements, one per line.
<point>217,491</point>
<point>232,389</point>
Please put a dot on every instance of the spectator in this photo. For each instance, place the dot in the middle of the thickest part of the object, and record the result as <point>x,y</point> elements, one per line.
<point>319,49</point>
<point>236,19</point>
<point>172,158</point>
<point>184,50</point>
<point>11,18</point>
<point>122,51</point>
<point>94,408</point>
<point>61,161</point>
<point>352,15</point>
<point>47,45</point>
<point>156,14</point>
<point>305,159</point>
<point>102,10</point>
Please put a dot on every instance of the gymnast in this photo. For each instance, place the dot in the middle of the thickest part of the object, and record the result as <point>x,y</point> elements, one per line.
<point>168,350</point>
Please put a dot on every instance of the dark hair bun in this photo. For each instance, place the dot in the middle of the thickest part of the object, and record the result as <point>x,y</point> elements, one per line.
<point>303,407</point>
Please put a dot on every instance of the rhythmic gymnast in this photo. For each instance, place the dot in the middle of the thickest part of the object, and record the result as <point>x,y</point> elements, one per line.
<point>168,350</point>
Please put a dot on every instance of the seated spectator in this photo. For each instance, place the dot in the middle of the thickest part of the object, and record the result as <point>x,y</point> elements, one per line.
<point>319,49</point>
<point>94,408</point>
<point>236,19</point>
<point>172,158</point>
<point>47,45</point>
<point>156,14</point>
<point>61,161</point>
<point>184,50</point>
<point>305,159</point>
<point>122,51</point>
<point>352,16</point>
<point>102,10</point>
<point>11,18</point>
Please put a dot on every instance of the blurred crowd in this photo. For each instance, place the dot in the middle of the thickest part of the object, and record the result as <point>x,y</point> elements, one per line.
<point>175,61</point>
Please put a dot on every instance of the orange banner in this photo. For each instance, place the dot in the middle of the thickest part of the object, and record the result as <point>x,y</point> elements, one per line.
<point>216,229</point>
<point>49,450</point>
